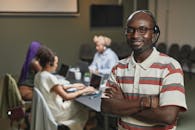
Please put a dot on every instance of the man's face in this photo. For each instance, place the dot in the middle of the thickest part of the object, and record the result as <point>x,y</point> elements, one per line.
<point>139,33</point>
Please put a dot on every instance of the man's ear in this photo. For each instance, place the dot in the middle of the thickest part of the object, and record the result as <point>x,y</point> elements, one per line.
<point>155,37</point>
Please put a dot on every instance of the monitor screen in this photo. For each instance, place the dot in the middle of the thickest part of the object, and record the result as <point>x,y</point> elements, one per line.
<point>95,80</point>
<point>63,70</point>
<point>106,16</point>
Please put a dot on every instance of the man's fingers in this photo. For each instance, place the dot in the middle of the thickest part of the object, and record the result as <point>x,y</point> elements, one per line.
<point>108,94</point>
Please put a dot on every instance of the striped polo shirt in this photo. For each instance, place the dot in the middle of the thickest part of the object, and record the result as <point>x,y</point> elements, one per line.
<point>159,75</point>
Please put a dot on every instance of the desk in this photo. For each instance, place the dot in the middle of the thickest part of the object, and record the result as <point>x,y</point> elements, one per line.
<point>94,102</point>
<point>91,101</point>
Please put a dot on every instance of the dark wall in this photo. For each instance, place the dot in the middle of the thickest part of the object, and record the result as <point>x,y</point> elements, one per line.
<point>63,34</point>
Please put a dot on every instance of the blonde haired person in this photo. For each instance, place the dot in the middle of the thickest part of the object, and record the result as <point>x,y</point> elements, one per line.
<point>105,58</point>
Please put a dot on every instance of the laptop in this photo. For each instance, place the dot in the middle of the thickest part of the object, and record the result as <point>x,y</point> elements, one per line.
<point>63,70</point>
<point>95,81</point>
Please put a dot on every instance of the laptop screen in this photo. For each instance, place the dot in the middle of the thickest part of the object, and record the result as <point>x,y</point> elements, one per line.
<point>95,81</point>
<point>63,70</point>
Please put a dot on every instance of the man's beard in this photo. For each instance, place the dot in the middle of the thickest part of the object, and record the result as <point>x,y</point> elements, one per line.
<point>138,50</point>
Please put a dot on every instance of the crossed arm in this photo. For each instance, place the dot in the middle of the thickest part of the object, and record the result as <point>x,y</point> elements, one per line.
<point>146,109</point>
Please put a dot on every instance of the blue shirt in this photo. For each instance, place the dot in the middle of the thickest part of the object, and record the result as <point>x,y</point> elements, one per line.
<point>103,62</point>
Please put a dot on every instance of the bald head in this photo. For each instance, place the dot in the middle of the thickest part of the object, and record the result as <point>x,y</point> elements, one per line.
<point>141,32</point>
<point>145,14</point>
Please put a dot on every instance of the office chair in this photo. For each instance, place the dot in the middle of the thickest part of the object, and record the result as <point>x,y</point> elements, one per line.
<point>115,47</point>
<point>121,49</point>
<point>174,51</point>
<point>86,52</point>
<point>191,62</point>
<point>124,50</point>
<point>83,66</point>
<point>42,118</point>
<point>184,55</point>
<point>12,106</point>
<point>162,47</point>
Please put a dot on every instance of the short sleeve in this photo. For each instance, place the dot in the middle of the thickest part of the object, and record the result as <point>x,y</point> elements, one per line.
<point>50,82</point>
<point>173,91</point>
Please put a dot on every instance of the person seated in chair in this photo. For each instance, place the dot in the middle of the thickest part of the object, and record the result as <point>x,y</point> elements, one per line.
<point>29,69</point>
<point>105,58</point>
<point>61,103</point>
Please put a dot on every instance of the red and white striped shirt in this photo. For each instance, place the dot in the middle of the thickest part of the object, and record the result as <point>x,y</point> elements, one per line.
<point>159,75</point>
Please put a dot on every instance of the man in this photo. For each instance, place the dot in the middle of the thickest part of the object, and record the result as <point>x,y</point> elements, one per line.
<point>146,90</point>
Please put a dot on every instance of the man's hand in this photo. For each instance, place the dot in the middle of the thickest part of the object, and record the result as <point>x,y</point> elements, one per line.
<point>149,102</point>
<point>154,101</point>
<point>115,93</point>
<point>114,100</point>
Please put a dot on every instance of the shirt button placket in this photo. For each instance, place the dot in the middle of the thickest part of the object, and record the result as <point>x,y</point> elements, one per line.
<point>136,78</point>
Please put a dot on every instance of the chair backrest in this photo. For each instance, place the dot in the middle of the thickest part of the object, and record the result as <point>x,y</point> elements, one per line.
<point>162,47</point>
<point>83,66</point>
<point>185,51</point>
<point>124,50</point>
<point>192,55</point>
<point>10,98</point>
<point>42,118</point>
<point>115,47</point>
<point>121,49</point>
<point>174,51</point>
<point>86,52</point>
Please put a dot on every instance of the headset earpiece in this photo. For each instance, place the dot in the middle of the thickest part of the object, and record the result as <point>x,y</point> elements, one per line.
<point>157,34</point>
<point>156,29</point>
<point>52,61</point>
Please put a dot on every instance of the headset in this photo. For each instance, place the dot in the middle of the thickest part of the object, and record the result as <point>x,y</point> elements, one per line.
<point>51,61</point>
<point>105,47</point>
<point>156,28</point>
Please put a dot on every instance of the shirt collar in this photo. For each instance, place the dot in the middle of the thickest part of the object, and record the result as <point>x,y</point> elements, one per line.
<point>147,62</point>
<point>105,52</point>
